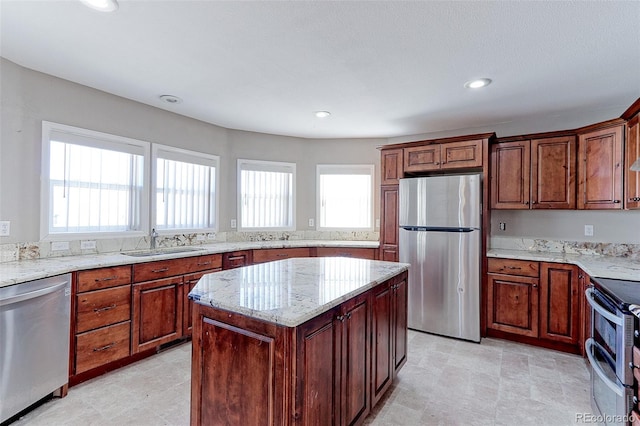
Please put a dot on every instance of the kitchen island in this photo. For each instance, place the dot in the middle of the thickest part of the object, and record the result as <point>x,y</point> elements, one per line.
<point>297,341</point>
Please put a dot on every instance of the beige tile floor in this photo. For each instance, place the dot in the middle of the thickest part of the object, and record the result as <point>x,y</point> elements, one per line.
<point>445,382</point>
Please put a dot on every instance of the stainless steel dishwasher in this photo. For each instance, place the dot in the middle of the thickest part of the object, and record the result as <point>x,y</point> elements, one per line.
<point>34,341</point>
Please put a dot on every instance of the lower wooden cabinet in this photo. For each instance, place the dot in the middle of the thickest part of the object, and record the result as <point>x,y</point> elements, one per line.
<point>536,303</point>
<point>236,259</point>
<point>157,313</point>
<point>360,253</point>
<point>189,282</point>
<point>102,346</point>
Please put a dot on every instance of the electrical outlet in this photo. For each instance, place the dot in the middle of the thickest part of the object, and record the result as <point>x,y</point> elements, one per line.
<point>233,223</point>
<point>200,237</point>
<point>59,245</point>
<point>588,230</point>
<point>87,245</point>
<point>311,223</point>
<point>377,222</point>
<point>5,228</point>
<point>503,226</point>
<point>211,236</point>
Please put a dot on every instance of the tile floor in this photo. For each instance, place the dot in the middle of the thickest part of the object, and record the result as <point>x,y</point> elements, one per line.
<point>445,382</point>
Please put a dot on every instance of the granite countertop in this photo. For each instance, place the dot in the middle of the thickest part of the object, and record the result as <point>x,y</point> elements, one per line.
<point>620,268</point>
<point>291,291</point>
<point>27,270</point>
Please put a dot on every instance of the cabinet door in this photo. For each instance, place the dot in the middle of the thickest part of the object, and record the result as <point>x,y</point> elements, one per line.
<point>382,344</point>
<point>600,169</point>
<point>559,304</point>
<point>391,166</point>
<point>512,304</point>
<point>553,173</point>
<point>157,313</point>
<point>457,155</point>
<point>318,365</point>
<point>422,158</point>
<point>510,162</point>
<point>400,336</point>
<point>389,223</point>
<point>632,153</point>
<point>96,348</point>
<point>355,356</point>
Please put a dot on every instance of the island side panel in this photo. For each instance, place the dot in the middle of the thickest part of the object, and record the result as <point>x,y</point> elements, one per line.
<point>239,370</point>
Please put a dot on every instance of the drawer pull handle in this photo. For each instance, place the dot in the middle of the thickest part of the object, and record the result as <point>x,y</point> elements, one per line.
<point>106,308</point>
<point>513,267</point>
<point>282,255</point>
<point>204,263</point>
<point>104,348</point>
<point>160,270</point>
<point>236,257</point>
<point>106,278</point>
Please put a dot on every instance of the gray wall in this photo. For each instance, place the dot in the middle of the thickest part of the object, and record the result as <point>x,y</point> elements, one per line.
<point>28,97</point>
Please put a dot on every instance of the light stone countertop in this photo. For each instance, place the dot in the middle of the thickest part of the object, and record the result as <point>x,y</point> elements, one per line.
<point>291,291</point>
<point>620,268</point>
<point>27,270</point>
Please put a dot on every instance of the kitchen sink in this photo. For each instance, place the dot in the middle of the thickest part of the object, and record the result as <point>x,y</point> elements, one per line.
<point>155,252</point>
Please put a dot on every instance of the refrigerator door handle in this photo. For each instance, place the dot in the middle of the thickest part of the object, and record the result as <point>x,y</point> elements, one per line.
<point>438,228</point>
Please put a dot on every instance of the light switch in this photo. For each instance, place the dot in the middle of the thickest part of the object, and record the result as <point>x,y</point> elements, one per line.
<point>59,245</point>
<point>5,228</point>
<point>588,230</point>
<point>311,223</point>
<point>233,223</point>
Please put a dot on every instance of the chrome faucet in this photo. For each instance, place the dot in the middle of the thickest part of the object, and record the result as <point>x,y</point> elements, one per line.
<point>154,235</point>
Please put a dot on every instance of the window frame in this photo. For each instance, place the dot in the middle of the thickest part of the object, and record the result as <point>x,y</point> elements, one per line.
<point>204,159</point>
<point>354,169</point>
<point>276,166</point>
<point>97,140</point>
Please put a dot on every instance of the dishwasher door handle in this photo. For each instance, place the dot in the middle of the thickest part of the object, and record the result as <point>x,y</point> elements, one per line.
<point>32,294</point>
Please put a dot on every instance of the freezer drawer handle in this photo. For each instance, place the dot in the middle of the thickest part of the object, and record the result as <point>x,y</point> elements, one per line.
<point>32,294</point>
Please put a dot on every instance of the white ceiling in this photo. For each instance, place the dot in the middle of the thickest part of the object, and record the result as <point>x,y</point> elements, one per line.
<point>383,68</point>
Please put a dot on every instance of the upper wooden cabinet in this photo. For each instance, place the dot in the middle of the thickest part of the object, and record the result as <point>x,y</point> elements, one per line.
<point>600,168</point>
<point>537,174</point>
<point>391,166</point>
<point>632,153</point>
<point>441,156</point>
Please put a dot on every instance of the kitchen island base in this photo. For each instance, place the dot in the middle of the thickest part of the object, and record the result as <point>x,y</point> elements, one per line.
<point>331,369</point>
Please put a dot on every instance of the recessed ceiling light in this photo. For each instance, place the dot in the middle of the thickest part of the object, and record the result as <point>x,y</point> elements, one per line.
<point>102,5</point>
<point>477,83</point>
<point>170,99</point>
<point>322,114</point>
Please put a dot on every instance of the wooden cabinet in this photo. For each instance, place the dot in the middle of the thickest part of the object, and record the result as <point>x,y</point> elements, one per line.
<point>585,309</point>
<point>389,345</point>
<point>236,259</point>
<point>160,300</point>
<point>157,314</point>
<point>632,154</point>
<point>538,301</point>
<point>268,255</point>
<point>391,166</point>
<point>188,283</point>
<point>534,174</point>
<point>513,298</point>
<point>102,313</point>
<point>319,372</point>
<point>356,252</point>
<point>600,169</point>
<point>438,156</point>
<point>559,303</point>
<point>389,223</point>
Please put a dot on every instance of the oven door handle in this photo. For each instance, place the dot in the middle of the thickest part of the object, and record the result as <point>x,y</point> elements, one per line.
<point>589,345</point>
<point>599,309</point>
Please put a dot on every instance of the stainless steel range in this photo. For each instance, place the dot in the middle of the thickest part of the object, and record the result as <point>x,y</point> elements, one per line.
<point>610,347</point>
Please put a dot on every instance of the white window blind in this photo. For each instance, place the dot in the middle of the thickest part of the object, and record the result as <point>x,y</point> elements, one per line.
<point>185,189</point>
<point>345,196</point>
<point>266,195</point>
<point>92,182</point>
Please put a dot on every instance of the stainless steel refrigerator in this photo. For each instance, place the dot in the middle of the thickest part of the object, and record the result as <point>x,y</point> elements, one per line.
<point>440,236</point>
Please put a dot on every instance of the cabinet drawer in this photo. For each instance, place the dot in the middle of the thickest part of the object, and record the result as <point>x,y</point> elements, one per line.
<point>164,268</point>
<point>236,259</point>
<point>103,307</point>
<point>102,346</point>
<point>97,279</point>
<point>360,253</point>
<point>523,268</point>
<point>267,255</point>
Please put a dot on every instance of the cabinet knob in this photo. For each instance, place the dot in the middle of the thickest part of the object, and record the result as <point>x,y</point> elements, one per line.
<point>436,163</point>
<point>535,285</point>
<point>526,202</point>
<point>534,202</point>
<point>616,201</point>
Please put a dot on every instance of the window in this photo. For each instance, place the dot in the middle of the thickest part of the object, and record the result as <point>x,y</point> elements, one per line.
<point>92,182</point>
<point>185,189</point>
<point>345,196</point>
<point>266,195</point>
